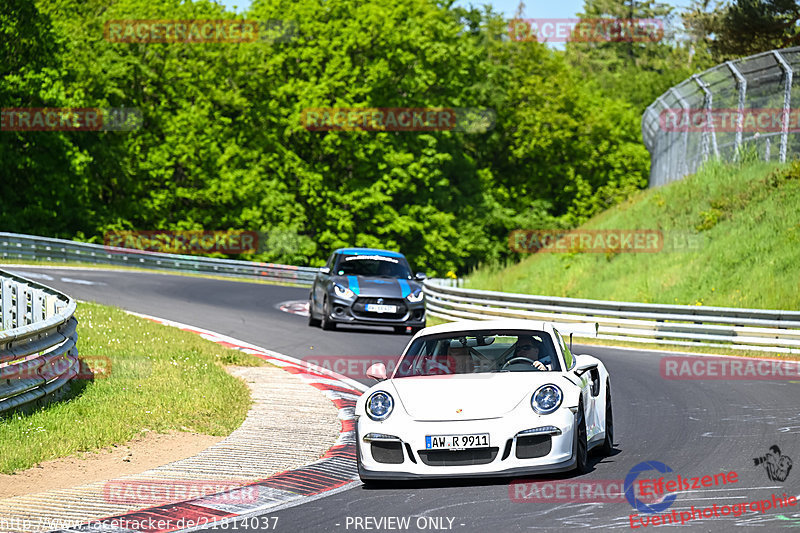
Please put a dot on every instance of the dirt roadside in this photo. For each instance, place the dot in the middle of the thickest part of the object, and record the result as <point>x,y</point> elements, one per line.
<point>145,452</point>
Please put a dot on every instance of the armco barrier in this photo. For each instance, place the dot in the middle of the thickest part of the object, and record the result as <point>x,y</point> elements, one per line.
<point>687,325</point>
<point>32,248</point>
<point>752,329</point>
<point>38,352</point>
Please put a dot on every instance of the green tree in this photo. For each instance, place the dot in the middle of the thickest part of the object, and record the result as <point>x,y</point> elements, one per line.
<point>640,68</point>
<point>744,27</point>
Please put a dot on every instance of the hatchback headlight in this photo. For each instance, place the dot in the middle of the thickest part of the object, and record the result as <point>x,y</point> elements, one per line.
<point>546,399</point>
<point>379,405</point>
<point>343,292</point>
<point>415,296</point>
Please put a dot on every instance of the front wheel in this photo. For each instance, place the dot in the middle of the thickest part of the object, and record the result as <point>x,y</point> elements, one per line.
<point>581,445</point>
<point>608,443</point>
<point>313,322</point>
<point>326,316</point>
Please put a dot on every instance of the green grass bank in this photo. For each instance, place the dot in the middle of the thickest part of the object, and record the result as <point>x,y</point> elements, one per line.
<point>732,239</point>
<point>159,379</point>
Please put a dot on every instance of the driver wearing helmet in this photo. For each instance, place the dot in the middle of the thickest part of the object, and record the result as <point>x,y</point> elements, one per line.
<point>528,347</point>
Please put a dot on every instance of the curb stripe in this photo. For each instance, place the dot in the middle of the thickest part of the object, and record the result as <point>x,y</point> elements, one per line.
<point>336,469</point>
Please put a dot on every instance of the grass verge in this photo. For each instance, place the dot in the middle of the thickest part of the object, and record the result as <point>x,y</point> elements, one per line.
<point>159,379</point>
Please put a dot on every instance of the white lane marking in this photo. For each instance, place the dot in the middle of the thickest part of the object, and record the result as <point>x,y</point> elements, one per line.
<point>295,307</point>
<point>82,281</point>
<point>31,275</point>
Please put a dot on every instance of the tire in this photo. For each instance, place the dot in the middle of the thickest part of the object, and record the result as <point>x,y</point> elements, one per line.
<point>608,444</point>
<point>312,321</point>
<point>325,322</point>
<point>581,444</point>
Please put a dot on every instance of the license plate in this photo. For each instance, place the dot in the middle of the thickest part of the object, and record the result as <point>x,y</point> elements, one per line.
<point>452,442</point>
<point>375,308</point>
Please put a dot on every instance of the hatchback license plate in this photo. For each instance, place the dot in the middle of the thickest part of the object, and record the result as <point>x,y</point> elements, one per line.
<point>375,308</point>
<point>452,442</point>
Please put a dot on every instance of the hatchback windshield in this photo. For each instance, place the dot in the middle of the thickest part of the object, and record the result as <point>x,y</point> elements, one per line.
<point>372,265</point>
<point>480,352</point>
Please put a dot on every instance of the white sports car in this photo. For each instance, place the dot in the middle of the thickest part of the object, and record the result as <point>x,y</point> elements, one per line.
<point>484,398</point>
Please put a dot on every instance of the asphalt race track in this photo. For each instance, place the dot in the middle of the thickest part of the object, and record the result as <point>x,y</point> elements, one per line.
<point>697,428</point>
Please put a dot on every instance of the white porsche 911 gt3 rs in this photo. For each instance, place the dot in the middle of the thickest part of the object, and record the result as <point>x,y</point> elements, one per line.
<point>483,398</point>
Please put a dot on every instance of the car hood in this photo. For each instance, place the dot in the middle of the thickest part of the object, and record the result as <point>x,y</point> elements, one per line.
<point>369,286</point>
<point>468,396</point>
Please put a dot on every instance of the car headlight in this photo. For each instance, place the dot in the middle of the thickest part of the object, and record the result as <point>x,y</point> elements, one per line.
<point>379,405</point>
<point>415,296</point>
<point>342,292</point>
<point>546,399</point>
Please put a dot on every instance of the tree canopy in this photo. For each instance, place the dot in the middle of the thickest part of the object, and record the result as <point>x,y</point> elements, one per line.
<point>222,143</point>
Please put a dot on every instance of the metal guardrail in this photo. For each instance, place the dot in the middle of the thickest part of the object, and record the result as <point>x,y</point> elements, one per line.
<point>38,351</point>
<point>762,81</point>
<point>751,329</point>
<point>29,247</point>
<point>686,325</point>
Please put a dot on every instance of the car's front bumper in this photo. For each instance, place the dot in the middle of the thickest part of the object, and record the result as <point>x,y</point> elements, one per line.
<point>352,311</point>
<point>510,453</point>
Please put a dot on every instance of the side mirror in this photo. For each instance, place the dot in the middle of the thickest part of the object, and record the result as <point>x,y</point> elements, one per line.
<point>377,371</point>
<point>421,275</point>
<point>324,270</point>
<point>584,368</point>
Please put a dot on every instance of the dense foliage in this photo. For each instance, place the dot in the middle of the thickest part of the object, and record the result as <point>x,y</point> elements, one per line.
<point>744,27</point>
<point>222,145</point>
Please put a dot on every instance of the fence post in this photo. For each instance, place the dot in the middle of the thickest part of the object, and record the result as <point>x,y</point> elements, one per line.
<point>741,86</point>
<point>787,101</point>
<point>707,104</point>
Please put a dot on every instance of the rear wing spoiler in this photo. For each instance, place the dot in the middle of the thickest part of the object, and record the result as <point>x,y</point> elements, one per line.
<point>579,329</point>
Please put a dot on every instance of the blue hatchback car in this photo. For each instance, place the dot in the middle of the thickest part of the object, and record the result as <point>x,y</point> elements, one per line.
<point>367,286</point>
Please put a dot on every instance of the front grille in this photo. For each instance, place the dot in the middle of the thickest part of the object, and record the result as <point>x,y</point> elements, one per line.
<point>360,308</point>
<point>476,456</point>
<point>531,446</point>
<point>387,452</point>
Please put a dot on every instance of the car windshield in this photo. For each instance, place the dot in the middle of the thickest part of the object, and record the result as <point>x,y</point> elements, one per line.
<point>372,265</point>
<point>480,352</point>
